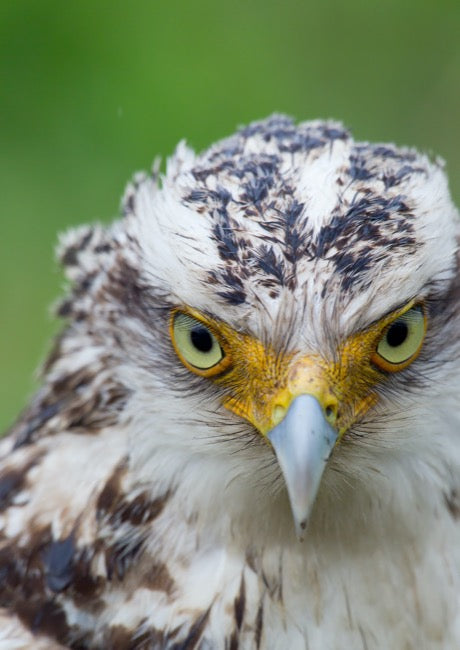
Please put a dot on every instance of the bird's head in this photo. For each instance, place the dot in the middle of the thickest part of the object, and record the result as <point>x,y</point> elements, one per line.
<point>287,294</point>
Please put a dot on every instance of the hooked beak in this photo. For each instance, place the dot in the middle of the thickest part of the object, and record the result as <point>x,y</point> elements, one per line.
<point>303,442</point>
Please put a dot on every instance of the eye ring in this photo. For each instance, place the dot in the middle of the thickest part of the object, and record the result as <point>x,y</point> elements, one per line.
<point>197,344</point>
<point>401,340</point>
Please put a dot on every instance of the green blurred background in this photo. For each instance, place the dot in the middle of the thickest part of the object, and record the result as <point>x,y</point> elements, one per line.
<point>91,91</point>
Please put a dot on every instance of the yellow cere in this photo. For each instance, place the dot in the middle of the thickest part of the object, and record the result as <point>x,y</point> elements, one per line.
<point>260,383</point>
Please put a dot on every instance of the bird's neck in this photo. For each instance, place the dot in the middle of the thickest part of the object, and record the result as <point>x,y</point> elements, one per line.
<point>238,514</point>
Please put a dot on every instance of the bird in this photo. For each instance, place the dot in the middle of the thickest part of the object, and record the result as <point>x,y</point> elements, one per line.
<point>247,434</point>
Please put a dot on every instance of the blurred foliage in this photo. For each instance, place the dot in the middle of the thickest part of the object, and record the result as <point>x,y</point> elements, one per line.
<point>91,91</point>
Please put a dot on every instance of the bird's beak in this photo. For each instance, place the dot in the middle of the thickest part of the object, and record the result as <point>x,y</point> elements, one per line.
<point>303,442</point>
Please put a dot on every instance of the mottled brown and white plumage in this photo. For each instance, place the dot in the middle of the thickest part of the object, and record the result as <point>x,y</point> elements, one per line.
<point>144,500</point>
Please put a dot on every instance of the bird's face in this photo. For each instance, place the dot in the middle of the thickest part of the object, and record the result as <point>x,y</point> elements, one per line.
<point>302,404</point>
<point>304,280</point>
<point>261,381</point>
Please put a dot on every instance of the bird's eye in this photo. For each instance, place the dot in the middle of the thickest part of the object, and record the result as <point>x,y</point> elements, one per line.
<point>197,347</point>
<point>401,341</point>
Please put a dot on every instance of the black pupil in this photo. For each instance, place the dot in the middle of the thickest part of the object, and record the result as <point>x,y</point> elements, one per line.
<point>397,334</point>
<point>201,339</point>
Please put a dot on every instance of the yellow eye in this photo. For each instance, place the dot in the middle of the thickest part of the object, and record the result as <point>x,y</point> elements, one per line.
<point>401,341</point>
<point>196,345</point>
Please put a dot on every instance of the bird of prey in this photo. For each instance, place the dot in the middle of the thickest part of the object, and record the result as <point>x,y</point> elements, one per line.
<point>248,432</point>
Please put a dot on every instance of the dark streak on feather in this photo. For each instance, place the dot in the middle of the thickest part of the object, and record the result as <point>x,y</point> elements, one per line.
<point>452,501</point>
<point>355,239</point>
<point>71,253</point>
<point>13,480</point>
<point>87,587</point>
<point>232,643</point>
<point>195,633</point>
<point>58,563</point>
<point>24,589</point>
<point>121,555</point>
<point>111,491</point>
<point>259,624</point>
<point>129,520</point>
<point>158,578</point>
<point>117,509</point>
<point>240,604</point>
<point>119,637</point>
<point>71,402</point>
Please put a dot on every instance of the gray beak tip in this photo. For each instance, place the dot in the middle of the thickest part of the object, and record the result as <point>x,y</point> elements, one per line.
<point>303,442</point>
<point>300,529</point>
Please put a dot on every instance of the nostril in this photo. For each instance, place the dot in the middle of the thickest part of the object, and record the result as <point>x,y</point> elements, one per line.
<point>331,413</point>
